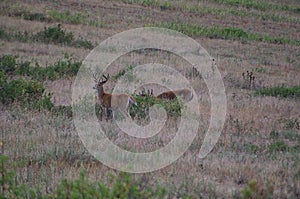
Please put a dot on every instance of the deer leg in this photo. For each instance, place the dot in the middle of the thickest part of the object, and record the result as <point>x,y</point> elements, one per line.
<point>113,115</point>
<point>127,108</point>
<point>106,113</point>
<point>101,112</point>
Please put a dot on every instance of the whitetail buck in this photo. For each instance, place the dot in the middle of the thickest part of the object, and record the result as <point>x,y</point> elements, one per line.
<point>121,102</point>
<point>185,94</point>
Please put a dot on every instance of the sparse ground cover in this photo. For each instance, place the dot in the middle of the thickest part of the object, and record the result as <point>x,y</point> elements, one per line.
<point>257,155</point>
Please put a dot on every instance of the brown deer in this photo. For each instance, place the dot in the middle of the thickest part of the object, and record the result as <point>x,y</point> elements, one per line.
<point>185,94</point>
<point>113,102</point>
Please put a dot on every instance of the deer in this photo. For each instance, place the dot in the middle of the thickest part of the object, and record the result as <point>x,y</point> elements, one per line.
<point>113,102</point>
<point>185,94</point>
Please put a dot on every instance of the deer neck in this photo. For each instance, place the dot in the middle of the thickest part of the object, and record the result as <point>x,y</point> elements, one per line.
<point>101,92</point>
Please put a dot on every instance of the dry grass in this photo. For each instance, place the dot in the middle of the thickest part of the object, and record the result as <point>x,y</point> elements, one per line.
<point>47,148</point>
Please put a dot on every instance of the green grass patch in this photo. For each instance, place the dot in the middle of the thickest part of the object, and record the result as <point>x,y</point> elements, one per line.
<point>120,186</point>
<point>222,12</point>
<point>143,2</point>
<point>282,91</point>
<point>14,10</point>
<point>72,18</point>
<point>278,146</point>
<point>53,34</point>
<point>259,5</point>
<point>67,17</point>
<point>66,67</point>
<point>225,33</point>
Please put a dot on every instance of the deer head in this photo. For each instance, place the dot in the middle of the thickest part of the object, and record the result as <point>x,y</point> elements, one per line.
<point>98,81</point>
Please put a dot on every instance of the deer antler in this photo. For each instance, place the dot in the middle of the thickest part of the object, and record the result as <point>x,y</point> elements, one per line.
<point>106,78</point>
<point>96,77</point>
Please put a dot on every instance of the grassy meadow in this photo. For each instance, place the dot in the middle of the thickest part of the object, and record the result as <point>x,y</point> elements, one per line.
<point>43,44</point>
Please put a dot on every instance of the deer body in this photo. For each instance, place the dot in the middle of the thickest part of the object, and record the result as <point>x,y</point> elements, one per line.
<point>185,94</point>
<point>114,102</point>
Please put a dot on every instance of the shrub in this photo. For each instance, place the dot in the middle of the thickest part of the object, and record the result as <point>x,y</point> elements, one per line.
<point>3,80</point>
<point>8,64</point>
<point>60,69</point>
<point>3,34</point>
<point>83,43</point>
<point>172,107</point>
<point>29,93</point>
<point>55,34</point>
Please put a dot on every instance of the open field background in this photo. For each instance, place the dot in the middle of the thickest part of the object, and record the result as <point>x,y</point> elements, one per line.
<point>257,154</point>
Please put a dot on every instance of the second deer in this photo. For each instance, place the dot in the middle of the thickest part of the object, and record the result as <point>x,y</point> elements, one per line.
<point>185,94</point>
<point>113,102</point>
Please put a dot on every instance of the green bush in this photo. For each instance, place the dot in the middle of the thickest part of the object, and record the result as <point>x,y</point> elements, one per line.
<point>172,107</point>
<point>55,34</point>
<point>8,64</point>
<point>28,93</point>
<point>83,43</point>
<point>3,79</point>
<point>60,69</point>
<point>3,34</point>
